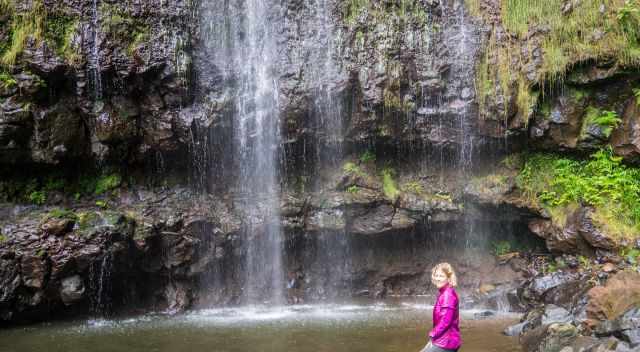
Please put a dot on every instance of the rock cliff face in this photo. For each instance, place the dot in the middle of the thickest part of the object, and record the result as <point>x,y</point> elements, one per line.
<point>398,122</point>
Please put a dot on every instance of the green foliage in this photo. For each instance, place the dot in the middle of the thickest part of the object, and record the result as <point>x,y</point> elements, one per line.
<point>513,161</point>
<point>585,263</point>
<point>606,120</point>
<point>102,204</point>
<point>59,31</point>
<point>23,26</point>
<point>551,267</point>
<point>367,157</point>
<point>3,238</point>
<point>352,169</point>
<point>124,28</point>
<point>501,247</point>
<point>58,213</point>
<point>37,197</point>
<point>601,181</point>
<point>54,184</point>
<point>353,189</point>
<point>389,186</point>
<point>571,35</point>
<point>601,31</point>
<point>636,93</point>
<point>631,255</point>
<point>413,187</point>
<point>106,183</point>
<point>7,81</point>
<point>354,8</point>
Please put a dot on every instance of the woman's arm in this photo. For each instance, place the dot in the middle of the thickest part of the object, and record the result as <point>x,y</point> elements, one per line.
<point>448,307</point>
<point>446,318</point>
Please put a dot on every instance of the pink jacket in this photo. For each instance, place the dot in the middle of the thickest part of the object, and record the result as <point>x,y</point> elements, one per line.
<point>446,331</point>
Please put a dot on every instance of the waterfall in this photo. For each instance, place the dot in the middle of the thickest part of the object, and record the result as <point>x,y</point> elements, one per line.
<point>243,44</point>
<point>465,53</point>
<point>100,285</point>
<point>333,257</point>
<point>94,57</point>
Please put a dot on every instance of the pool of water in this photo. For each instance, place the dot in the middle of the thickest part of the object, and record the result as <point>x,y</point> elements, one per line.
<point>383,326</point>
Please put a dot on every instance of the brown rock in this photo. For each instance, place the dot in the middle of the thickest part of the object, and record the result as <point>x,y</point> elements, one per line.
<point>558,240</point>
<point>592,234</point>
<point>609,267</point>
<point>621,292</point>
<point>57,227</point>
<point>626,138</point>
<point>486,288</point>
<point>33,271</point>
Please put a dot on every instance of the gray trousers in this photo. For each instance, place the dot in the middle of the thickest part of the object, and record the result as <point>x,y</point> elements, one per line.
<point>434,348</point>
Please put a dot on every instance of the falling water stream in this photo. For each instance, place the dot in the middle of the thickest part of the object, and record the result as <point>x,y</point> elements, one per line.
<point>94,56</point>
<point>244,41</point>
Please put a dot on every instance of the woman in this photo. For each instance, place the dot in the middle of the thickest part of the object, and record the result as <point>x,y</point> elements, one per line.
<point>445,335</point>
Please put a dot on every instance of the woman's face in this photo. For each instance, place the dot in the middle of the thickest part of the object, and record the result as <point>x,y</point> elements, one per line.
<point>439,278</point>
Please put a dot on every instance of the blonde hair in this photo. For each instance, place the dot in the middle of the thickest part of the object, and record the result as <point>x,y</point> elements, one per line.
<point>447,269</point>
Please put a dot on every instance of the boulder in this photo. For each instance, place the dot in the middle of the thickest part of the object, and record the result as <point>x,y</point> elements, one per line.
<point>620,293</point>
<point>550,338</point>
<point>626,326</point>
<point>555,314</point>
<point>71,289</point>
<point>57,227</point>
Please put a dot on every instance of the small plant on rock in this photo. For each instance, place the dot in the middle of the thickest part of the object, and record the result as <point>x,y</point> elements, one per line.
<point>107,183</point>
<point>501,248</point>
<point>413,187</point>
<point>353,189</point>
<point>59,213</point>
<point>608,121</point>
<point>631,255</point>
<point>37,197</point>
<point>367,157</point>
<point>352,169</point>
<point>585,262</point>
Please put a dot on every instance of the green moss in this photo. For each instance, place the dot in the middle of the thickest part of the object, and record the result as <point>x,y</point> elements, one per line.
<point>7,81</point>
<point>636,93</point>
<point>3,238</point>
<point>59,32</point>
<point>37,197</point>
<point>353,189</point>
<point>367,156</point>
<point>106,183</point>
<point>413,187</point>
<point>389,186</point>
<point>23,26</point>
<point>583,33</point>
<point>501,247</point>
<point>123,28</point>
<point>351,168</point>
<point>59,213</point>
